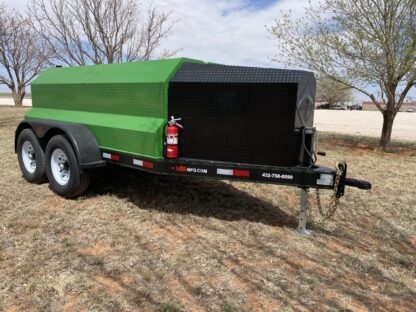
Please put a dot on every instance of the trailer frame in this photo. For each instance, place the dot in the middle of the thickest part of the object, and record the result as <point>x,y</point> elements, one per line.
<point>313,177</point>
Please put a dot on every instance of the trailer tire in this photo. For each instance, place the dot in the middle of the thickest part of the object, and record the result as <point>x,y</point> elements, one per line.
<point>31,157</point>
<point>62,168</point>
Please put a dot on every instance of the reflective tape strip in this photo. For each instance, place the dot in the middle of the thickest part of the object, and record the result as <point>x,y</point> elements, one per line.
<point>142,163</point>
<point>138,162</point>
<point>228,172</point>
<point>111,156</point>
<point>107,155</point>
<point>235,172</point>
<point>241,173</point>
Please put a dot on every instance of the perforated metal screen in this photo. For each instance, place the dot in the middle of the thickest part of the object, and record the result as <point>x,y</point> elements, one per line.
<point>236,114</point>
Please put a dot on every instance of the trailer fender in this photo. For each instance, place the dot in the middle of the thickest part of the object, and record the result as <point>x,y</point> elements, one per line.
<point>82,140</point>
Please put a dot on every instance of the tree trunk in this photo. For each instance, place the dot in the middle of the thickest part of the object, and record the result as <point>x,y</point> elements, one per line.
<point>388,120</point>
<point>18,96</point>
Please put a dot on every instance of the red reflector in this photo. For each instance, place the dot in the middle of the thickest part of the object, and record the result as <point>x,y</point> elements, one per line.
<point>241,173</point>
<point>181,168</point>
<point>115,157</point>
<point>148,164</point>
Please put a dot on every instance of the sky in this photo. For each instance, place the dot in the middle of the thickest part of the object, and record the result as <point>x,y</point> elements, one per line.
<point>222,31</point>
<point>227,31</point>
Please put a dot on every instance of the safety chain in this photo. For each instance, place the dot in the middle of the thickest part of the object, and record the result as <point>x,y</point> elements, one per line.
<point>334,203</point>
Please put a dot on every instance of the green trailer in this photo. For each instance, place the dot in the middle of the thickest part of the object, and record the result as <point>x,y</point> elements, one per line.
<point>124,105</point>
<point>241,123</point>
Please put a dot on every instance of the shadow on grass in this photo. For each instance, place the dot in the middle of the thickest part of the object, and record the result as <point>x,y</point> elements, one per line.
<point>318,280</point>
<point>187,195</point>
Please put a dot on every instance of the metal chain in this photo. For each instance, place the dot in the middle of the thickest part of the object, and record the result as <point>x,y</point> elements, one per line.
<point>333,204</point>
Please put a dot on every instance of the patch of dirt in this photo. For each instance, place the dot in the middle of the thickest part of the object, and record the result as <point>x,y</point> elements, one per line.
<point>98,250</point>
<point>337,248</point>
<point>178,289</point>
<point>12,308</point>
<point>110,284</point>
<point>71,303</point>
<point>353,280</point>
<point>258,303</point>
<point>171,234</point>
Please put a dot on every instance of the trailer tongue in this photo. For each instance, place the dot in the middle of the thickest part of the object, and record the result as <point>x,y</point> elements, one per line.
<point>176,117</point>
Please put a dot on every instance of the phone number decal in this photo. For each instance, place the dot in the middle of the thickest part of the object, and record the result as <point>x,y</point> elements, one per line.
<point>269,175</point>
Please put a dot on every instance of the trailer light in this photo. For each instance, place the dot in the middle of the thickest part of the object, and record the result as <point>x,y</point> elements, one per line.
<point>235,172</point>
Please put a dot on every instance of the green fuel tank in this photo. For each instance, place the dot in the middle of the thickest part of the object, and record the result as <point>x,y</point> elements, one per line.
<point>124,105</point>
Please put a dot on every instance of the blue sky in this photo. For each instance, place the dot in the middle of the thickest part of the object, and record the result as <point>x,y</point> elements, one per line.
<point>252,4</point>
<point>261,3</point>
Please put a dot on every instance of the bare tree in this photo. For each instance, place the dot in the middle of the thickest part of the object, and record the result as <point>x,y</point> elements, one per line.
<point>100,31</point>
<point>22,53</point>
<point>332,92</point>
<point>359,43</point>
<point>2,15</point>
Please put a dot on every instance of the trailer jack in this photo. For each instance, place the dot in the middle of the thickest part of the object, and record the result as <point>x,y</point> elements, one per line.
<point>340,181</point>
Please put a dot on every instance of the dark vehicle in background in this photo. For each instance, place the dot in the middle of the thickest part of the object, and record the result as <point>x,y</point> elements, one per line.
<point>341,106</point>
<point>324,106</point>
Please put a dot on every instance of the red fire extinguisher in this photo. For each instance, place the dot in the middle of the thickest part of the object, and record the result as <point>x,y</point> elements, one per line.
<point>172,137</point>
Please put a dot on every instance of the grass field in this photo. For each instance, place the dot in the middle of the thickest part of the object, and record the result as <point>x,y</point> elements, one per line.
<point>139,242</point>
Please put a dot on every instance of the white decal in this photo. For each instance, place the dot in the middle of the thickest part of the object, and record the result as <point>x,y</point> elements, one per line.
<point>270,175</point>
<point>197,170</point>
<point>325,179</point>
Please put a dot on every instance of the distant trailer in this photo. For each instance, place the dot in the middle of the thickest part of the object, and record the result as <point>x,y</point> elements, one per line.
<point>175,117</point>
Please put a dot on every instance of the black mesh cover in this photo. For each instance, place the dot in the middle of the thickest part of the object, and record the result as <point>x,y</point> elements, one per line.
<point>241,114</point>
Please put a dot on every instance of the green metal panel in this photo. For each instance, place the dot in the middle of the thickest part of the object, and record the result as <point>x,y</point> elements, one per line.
<point>124,105</point>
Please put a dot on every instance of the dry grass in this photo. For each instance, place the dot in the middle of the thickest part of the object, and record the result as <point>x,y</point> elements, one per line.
<point>149,243</point>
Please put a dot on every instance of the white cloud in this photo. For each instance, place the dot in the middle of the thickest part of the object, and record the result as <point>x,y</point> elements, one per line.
<point>238,37</point>
<point>222,31</point>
